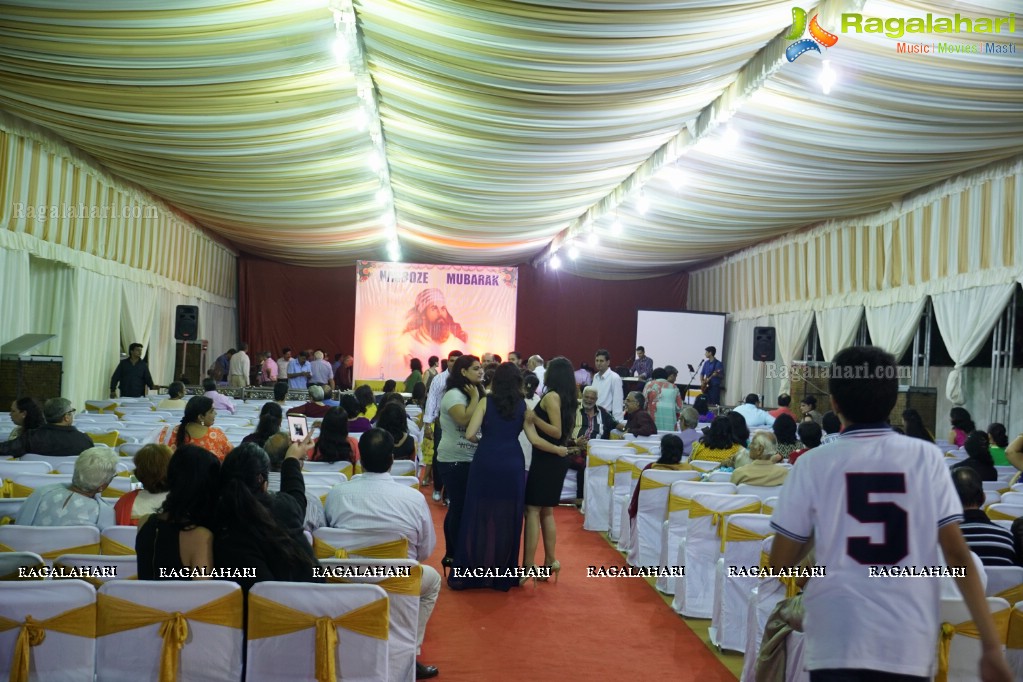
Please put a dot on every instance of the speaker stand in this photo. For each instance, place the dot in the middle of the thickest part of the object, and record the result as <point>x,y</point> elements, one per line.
<point>184,354</point>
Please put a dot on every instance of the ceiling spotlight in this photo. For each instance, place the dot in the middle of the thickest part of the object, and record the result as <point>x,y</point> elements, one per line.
<point>383,196</point>
<point>374,161</point>
<point>730,138</point>
<point>555,262</point>
<point>592,239</point>
<point>394,251</point>
<point>361,119</point>
<point>828,77</point>
<point>642,203</point>
<point>616,227</point>
<point>573,252</point>
<point>341,49</point>
<point>675,176</point>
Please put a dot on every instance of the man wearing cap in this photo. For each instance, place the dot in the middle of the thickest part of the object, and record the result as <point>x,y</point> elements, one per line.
<point>57,437</point>
<point>429,327</point>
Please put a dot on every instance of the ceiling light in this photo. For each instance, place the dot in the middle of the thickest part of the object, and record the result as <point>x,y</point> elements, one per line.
<point>573,252</point>
<point>592,239</point>
<point>383,196</point>
<point>642,203</point>
<point>341,49</point>
<point>374,161</point>
<point>616,227</point>
<point>394,252</point>
<point>828,77</point>
<point>675,176</point>
<point>555,262</point>
<point>361,119</point>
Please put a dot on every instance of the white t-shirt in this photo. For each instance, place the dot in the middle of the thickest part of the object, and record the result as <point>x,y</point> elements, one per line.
<point>453,446</point>
<point>871,498</point>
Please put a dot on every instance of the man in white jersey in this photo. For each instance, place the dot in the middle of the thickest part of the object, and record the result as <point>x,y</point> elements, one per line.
<point>874,503</point>
<point>430,414</point>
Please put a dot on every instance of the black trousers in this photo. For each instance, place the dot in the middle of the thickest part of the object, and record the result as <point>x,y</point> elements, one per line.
<point>853,675</point>
<point>456,481</point>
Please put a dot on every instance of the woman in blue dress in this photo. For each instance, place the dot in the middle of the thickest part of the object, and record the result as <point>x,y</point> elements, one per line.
<point>488,545</point>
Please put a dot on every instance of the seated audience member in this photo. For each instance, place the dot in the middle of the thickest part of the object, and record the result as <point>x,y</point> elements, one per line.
<point>740,432</point>
<point>56,438</point>
<point>27,414</point>
<point>374,503</point>
<point>367,400</point>
<point>716,444</point>
<point>594,422</point>
<point>962,426</point>
<point>77,503</point>
<point>281,393</point>
<point>832,427</point>
<point>315,407</point>
<point>702,408</point>
<point>913,425</point>
<point>785,434</point>
<point>992,543</point>
<point>197,428</point>
<point>175,399</point>
<point>179,536</point>
<point>356,411</point>
<point>390,386</point>
<point>270,418</point>
<point>637,420</point>
<point>978,451</point>
<point>418,396</point>
<point>751,412</point>
<point>672,452</point>
<point>392,419</point>
<point>999,438</point>
<point>808,408</point>
<point>762,469</point>
<point>663,399</point>
<point>333,444</point>
<point>810,436</point>
<point>220,401</point>
<point>256,529</point>
<point>688,420</point>
<point>784,400</point>
<point>276,448</point>
<point>151,463</point>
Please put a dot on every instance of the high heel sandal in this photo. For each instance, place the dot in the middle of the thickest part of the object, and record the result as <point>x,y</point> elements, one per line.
<point>446,563</point>
<point>526,578</point>
<point>555,567</point>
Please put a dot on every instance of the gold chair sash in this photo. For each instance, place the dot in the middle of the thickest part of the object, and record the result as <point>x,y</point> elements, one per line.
<point>114,548</point>
<point>80,622</point>
<point>1014,636</point>
<point>6,520</point>
<point>647,483</point>
<point>7,488</point>
<point>790,582</point>
<point>118,615</point>
<point>54,553</point>
<point>58,566</point>
<point>19,490</point>
<point>1012,594</point>
<point>967,629</point>
<point>112,493</point>
<point>407,587</point>
<point>996,515</point>
<point>766,509</point>
<point>395,549</point>
<point>15,576</point>
<point>268,618</point>
<point>594,461</point>
<point>697,510</point>
<point>677,504</point>
<point>739,534</point>
<point>639,448</point>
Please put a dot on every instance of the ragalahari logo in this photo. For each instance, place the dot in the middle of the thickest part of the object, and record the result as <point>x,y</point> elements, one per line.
<point>818,36</point>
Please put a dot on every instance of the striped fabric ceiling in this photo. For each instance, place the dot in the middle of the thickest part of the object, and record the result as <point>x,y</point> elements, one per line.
<point>498,132</point>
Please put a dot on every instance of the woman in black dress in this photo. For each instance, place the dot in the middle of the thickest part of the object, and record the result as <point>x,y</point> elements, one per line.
<point>554,419</point>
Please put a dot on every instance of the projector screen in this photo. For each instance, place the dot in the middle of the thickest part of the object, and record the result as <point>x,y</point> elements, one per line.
<point>678,338</point>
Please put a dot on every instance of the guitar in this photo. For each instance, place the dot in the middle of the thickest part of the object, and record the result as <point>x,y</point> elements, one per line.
<point>705,380</point>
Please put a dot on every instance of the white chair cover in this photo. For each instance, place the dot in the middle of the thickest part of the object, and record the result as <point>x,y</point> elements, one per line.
<point>60,657</point>
<point>403,467</point>
<point>410,481</point>
<point>103,567</point>
<point>403,608</point>
<point>327,478</point>
<point>673,530</point>
<point>704,464</point>
<point>763,598</point>
<point>627,471</point>
<point>694,591</point>
<point>123,535</point>
<point>318,467</point>
<point>1014,650</point>
<point>211,652</point>
<point>352,541</point>
<point>964,652</point>
<point>795,649</point>
<point>10,562</point>
<point>597,491</point>
<point>1004,511</point>
<point>732,593</point>
<point>10,506</point>
<point>651,513</point>
<point>52,460</point>
<point>10,469</point>
<point>129,449</point>
<point>996,486</point>
<point>720,477</point>
<point>359,658</point>
<point>33,481</point>
<point>1001,578</point>
<point>764,492</point>
<point>569,486</point>
<point>50,542</point>
<point>767,505</point>
<point>119,485</point>
<point>1013,498</point>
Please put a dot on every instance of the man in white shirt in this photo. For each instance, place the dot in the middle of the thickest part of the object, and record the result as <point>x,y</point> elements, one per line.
<point>535,365</point>
<point>751,412</point>
<point>282,364</point>
<point>374,502</point>
<point>239,367</point>
<point>610,395</point>
<point>878,506</point>
<point>431,425</point>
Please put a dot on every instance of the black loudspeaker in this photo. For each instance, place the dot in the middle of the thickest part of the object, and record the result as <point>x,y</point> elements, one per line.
<point>763,344</point>
<point>186,323</point>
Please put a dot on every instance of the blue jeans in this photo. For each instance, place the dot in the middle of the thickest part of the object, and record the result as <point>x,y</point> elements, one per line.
<point>456,481</point>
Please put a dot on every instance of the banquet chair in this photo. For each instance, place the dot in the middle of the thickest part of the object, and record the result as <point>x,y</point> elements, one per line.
<point>761,491</point>
<point>598,486</point>
<point>49,542</point>
<point>339,543</point>
<point>673,530</point>
<point>694,591</point>
<point>10,469</point>
<point>65,611</point>
<point>627,471</point>
<point>202,620</point>
<point>94,407</point>
<point>25,484</point>
<point>764,596</point>
<point>118,540</point>
<point>52,460</point>
<point>651,511</point>
<point>9,508</point>
<point>103,568</point>
<point>991,497</point>
<point>410,481</point>
<point>321,478</point>
<point>1014,641</point>
<point>1005,512</point>
<point>302,631</point>
<point>102,437</point>
<point>403,606</point>
<point>1013,498</point>
<point>719,477</point>
<point>963,649</point>
<point>10,562</point>
<point>327,467</point>
<point>403,467</point>
<point>129,449</point>
<point>318,491</point>
<point>704,465</point>
<point>743,537</point>
<point>119,486</point>
<point>767,505</point>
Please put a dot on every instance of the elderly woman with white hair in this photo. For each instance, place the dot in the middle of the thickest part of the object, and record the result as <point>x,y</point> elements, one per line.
<point>78,503</point>
<point>315,408</point>
<point>762,469</point>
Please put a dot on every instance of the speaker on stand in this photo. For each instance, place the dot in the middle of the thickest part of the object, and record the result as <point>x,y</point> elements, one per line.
<point>186,328</point>
<point>763,351</point>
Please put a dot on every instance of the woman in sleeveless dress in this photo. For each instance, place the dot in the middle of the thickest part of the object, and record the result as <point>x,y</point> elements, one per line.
<point>554,419</point>
<point>492,515</point>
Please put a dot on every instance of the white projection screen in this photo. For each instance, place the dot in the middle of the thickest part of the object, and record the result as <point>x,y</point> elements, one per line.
<point>678,338</point>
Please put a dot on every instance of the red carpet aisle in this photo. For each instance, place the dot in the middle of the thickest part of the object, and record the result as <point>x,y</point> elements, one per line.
<point>578,629</point>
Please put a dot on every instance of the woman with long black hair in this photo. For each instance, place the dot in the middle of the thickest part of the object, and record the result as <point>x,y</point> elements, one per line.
<point>270,418</point>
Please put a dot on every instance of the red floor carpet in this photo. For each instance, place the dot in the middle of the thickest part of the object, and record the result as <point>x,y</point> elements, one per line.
<point>578,629</point>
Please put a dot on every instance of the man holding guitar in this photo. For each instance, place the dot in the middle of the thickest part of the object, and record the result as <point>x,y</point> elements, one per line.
<point>711,374</point>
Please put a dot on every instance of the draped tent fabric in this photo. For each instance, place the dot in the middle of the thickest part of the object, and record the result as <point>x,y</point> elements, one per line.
<point>791,330</point>
<point>837,327</point>
<point>965,319</point>
<point>892,327</point>
<point>137,312</point>
<point>14,314</point>
<point>742,375</point>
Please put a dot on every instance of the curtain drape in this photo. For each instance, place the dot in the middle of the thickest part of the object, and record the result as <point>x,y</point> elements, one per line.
<point>741,373</point>
<point>93,332</point>
<point>892,326</point>
<point>837,328</point>
<point>791,330</point>
<point>50,290</point>
<point>965,319</point>
<point>15,318</point>
<point>138,308</point>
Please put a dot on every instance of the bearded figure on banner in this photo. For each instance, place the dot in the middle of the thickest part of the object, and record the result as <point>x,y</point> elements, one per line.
<point>429,327</point>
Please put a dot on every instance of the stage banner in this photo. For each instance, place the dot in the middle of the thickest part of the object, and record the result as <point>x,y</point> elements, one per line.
<point>405,311</point>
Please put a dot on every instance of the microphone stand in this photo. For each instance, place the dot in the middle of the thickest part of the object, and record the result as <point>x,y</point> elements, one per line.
<point>690,384</point>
